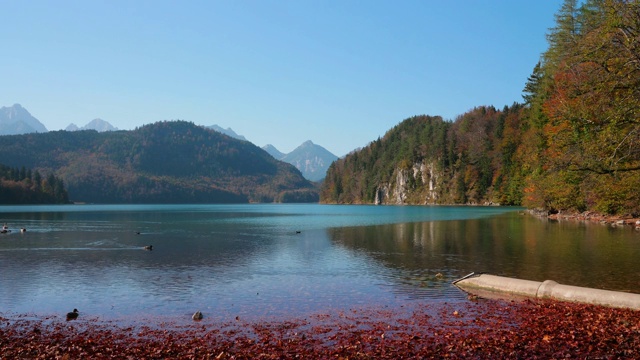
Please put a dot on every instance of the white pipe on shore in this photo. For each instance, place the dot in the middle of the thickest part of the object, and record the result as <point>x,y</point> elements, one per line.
<point>549,289</point>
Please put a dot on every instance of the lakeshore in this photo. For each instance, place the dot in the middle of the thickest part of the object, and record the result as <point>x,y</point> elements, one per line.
<point>480,328</point>
<point>590,216</point>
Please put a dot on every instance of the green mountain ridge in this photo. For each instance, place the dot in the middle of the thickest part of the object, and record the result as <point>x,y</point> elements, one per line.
<point>164,162</point>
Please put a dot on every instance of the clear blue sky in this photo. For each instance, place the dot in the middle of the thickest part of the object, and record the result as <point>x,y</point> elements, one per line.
<point>337,72</point>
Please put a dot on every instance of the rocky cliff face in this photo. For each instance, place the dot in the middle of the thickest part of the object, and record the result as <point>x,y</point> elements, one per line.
<point>430,176</point>
<point>417,184</point>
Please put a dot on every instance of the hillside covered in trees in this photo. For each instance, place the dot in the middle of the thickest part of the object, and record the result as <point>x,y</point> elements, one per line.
<point>24,186</point>
<point>574,144</point>
<point>165,162</point>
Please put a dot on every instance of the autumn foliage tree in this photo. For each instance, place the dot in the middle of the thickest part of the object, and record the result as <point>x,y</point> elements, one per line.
<point>26,186</point>
<point>591,105</point>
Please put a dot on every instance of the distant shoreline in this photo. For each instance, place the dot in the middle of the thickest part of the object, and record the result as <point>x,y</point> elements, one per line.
<point>590,216</point>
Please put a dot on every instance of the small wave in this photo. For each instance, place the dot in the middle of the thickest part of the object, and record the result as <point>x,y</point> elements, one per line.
<point>74,249</point>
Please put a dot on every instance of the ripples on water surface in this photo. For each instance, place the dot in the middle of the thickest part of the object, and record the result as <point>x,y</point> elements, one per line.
<point>286,260</point>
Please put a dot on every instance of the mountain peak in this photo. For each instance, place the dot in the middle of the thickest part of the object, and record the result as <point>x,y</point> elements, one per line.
<point>15,112</point>
<point>277,154</point>
<point>17,120</point>
<point>306,144</point>
<point>311,159</point>
<point>72,127</point>
<point>96,124</point>
<point>228,131</point>
<point>99,125</point>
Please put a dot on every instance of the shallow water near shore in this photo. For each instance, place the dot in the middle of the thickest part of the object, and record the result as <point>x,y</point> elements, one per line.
<point>281,261</point>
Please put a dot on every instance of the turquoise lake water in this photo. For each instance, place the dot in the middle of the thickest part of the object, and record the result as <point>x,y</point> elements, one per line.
<point>277,260</point>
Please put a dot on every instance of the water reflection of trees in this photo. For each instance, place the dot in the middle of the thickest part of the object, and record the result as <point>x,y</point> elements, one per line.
<point>510,245</point>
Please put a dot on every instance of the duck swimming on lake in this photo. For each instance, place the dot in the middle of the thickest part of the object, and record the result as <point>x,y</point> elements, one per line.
<point>148,247</point>
<point>72,315</point>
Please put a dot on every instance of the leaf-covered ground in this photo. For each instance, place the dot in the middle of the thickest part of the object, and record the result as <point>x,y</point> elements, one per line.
<point>478,330</point>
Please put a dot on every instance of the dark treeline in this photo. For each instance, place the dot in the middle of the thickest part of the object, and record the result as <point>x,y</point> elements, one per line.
<point>25,186</point>
<point>574,144</point>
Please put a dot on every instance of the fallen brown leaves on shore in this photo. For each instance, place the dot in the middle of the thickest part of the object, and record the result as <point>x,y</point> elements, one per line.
<point>483,329</point>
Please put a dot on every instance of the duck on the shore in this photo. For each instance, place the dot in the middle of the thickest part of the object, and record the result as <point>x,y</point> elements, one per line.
<point>197,316</point>
<point>148,247</point>
<point>72,315</point>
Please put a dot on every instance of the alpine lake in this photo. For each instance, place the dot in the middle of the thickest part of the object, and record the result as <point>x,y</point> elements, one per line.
<point>275,261</point>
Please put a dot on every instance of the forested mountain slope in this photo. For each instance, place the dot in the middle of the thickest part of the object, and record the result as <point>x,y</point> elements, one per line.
<point>165,162</point>
<point>426,160</point>
<point>573,146</point>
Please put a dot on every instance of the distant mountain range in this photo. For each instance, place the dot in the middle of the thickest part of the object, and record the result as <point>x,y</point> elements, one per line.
<point>98,125</point>
<point>227,132</point>
<point>312,160</point>
<point>16,120</point>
